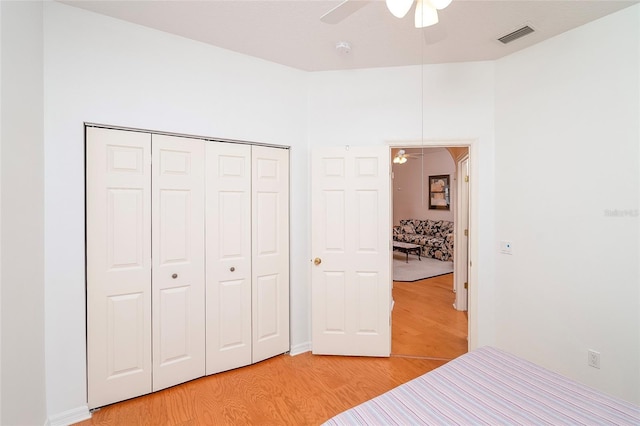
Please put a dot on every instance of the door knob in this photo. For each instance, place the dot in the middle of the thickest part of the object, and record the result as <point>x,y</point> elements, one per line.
<point>232,268</point>
<point>317,261</point>
<point>174,276</point>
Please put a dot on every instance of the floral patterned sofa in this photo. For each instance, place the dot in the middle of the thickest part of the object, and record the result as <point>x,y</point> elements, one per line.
<point>434,236</point>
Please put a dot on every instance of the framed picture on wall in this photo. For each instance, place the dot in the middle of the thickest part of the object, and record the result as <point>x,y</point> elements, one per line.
<point>439,192</point>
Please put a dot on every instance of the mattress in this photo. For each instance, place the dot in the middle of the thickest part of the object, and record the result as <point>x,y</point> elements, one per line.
<point>491,387</point>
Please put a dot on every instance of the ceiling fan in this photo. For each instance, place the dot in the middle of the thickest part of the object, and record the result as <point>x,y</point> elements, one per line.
<point>402,156</point>
<point>426,10</point>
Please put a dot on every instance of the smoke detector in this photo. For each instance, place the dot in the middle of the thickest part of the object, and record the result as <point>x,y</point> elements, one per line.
<point>343,47</point>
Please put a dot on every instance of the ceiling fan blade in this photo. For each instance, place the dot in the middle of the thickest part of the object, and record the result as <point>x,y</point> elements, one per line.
<point>342,11</point>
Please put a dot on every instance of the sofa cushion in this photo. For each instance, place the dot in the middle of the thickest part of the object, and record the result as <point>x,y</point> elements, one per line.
<point>403,238</point>
<point>419,226</point>
<point>408,229</point>
<point>444,229</point>
<point>430,227</point>
<point>426,240</point>
<point>412,238</point>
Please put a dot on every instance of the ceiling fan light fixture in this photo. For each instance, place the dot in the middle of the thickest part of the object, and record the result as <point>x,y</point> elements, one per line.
<point>399,8</point>
<point>426,14</point>
<point>400,157</point>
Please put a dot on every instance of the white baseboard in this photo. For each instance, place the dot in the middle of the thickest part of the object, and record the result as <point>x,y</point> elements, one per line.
<point>69,417</point>
<point>300,349</point>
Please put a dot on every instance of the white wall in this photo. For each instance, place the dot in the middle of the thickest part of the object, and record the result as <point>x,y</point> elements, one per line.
<point>102,70</point>
<point>567,152</point>
<point>22,215</point>
<point>411,185</point>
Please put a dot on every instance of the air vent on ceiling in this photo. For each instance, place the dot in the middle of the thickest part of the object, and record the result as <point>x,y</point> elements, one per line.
<point>521,32</point>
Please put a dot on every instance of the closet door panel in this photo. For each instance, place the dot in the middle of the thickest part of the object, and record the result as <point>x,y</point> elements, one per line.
<point>268,298</point>
<point>228,294</point>
<point>178,260</point>
<point>118,265</point>
<point>270,293</point>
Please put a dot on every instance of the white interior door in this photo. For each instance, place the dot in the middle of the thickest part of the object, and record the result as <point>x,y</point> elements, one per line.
<point>270,252</point>
<point>351,234</point>
<point>178,295</point>
<point>118,265</point>
<point>228,288</point>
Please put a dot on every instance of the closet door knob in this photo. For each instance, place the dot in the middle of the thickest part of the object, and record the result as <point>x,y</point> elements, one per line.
<point>174,276</point>
<point>232,269</point>
<point>317,261</point>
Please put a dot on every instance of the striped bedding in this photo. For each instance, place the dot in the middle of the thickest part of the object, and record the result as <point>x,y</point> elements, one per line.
<point>491,387</point>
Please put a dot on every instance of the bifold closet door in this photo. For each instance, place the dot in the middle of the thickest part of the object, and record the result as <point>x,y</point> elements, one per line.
<point>228,288</point>
<point>270,247</point>
<point>152,319</point>
<point>118,197</point>
<point>178,315</point>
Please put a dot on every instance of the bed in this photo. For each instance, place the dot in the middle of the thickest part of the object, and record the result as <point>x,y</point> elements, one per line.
<point>489,386</point>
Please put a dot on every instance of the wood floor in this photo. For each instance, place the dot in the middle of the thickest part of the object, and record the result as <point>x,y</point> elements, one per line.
<point>307,389</point>
<point>424,321</point>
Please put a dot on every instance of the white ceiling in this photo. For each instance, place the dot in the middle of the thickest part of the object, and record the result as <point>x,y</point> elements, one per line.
<point>291,33</point>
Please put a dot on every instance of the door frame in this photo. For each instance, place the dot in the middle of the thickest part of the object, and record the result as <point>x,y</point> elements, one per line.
<point>461,241</point>
<point>472,294</point>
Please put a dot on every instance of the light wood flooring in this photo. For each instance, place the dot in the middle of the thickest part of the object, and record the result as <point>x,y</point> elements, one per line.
<point>307,389</point>
<point>424,321</point>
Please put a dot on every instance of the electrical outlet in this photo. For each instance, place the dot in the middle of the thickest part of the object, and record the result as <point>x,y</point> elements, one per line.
<point>593,358</point>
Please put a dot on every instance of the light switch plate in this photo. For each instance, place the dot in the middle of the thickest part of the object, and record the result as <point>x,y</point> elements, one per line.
<point>506,247</point>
